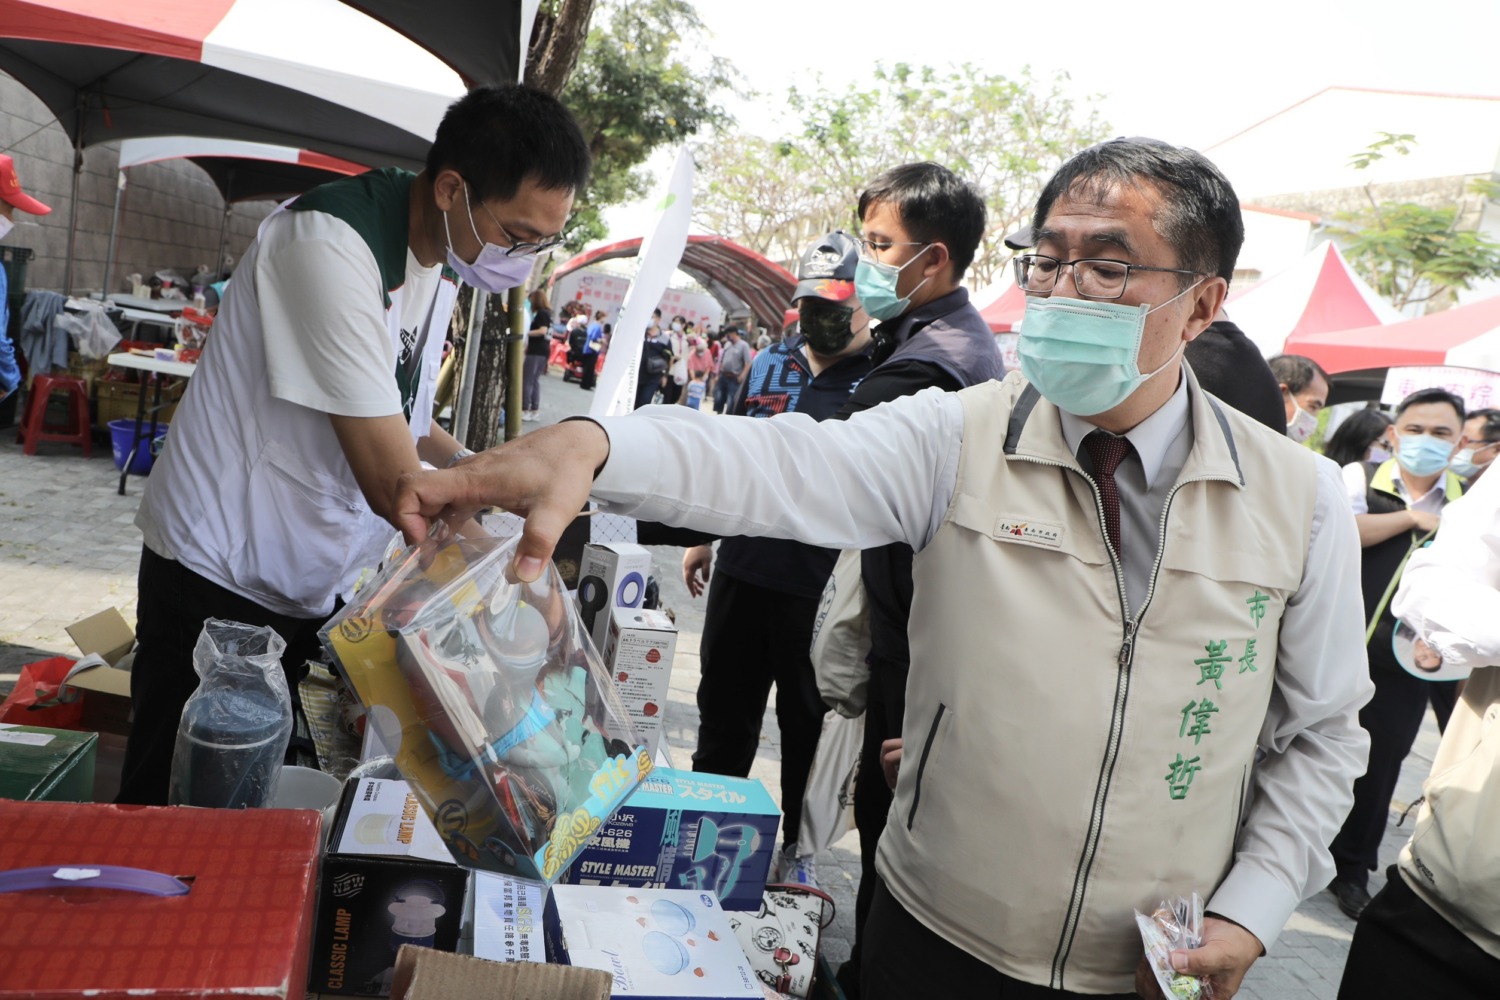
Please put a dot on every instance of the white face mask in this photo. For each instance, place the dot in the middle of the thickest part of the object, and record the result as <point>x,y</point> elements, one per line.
<point>6,225</point>
<point>1302,426</point>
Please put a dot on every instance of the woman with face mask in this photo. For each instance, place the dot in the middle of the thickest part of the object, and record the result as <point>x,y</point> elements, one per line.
<point>1360,438</point>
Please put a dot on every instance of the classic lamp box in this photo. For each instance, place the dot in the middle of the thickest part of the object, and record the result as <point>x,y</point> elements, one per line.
<point>610,575</point>
<point>387,880</point>
<point>639,654</point>
<point>241,928</point>
<point>686,830</point>
<point>54,765</point>
<point>654,943</point>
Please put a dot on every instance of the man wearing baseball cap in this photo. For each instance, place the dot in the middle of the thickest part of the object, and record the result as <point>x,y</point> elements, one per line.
<point>758,625</point>
<point>12,199</point>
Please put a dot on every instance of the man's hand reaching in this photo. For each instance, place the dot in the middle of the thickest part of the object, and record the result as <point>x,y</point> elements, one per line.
<point>544,476</point>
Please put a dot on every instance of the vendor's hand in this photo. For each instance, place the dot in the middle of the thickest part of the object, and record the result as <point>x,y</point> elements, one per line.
<point>1424,520</point>
<point>697,564</point>
<point>1227,952</point>
<point>890,761</point>
<point>544,476</point>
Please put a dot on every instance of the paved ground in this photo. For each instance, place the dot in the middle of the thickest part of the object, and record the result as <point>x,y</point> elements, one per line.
<point>68,548</point>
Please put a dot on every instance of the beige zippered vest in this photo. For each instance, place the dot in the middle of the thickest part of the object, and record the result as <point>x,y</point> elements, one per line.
<point>1067,763</point>
<point>1453,858</point>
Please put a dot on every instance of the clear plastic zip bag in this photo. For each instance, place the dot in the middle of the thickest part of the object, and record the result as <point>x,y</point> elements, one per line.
<point>498,710</point>
<point>1176,924</point>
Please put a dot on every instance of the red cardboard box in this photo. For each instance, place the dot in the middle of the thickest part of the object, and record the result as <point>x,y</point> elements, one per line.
<point>242,930</point>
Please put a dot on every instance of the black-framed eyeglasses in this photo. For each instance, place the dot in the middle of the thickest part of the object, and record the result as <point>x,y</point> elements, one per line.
<point>1094,278</point>
<point>523,248</point>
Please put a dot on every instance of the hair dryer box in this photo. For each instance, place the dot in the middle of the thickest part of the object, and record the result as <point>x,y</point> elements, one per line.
<point>640,650</point>
<point>686,830</point>
<point>387,880</point>
<point>654,943</point>
<point>611,575</point>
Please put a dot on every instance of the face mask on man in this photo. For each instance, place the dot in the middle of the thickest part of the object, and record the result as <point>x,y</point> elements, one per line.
<point>6,225</point>
<point>1302,426</point>
<point>1463,463</point>
<point>1083,355</point>
<point>1423,454</point>
<point>492,271</point>
<point>826,329</point>
<point>875,284</point>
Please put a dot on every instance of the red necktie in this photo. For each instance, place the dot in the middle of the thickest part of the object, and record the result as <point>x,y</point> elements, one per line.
<point>1107,452</point>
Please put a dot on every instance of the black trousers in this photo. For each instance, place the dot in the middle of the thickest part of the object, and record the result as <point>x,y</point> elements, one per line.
<point>590,371</point>
<point>1404,948</point>
<point>904,960</point>
<point>885,704</point>
<point>1392,718</point>
<point>172,604</point>
<point>753,636</point>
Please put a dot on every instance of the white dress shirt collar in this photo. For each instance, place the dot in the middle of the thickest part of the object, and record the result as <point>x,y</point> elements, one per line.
<point>1151,437</point>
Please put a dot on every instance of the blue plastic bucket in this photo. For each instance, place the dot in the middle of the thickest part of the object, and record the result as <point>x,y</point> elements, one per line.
<point>122,435</point>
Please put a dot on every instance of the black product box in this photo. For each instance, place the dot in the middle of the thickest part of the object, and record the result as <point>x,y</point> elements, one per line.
<point>387,880</point>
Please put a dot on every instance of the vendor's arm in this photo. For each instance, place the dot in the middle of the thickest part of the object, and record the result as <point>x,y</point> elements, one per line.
<point>379,450</point>
<point>1450,592</point>
<point>1314,744</point>
<point>884,476</point>
<point>439,449</point>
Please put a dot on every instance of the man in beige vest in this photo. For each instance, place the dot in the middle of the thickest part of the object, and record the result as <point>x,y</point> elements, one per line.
<point>1434,930</point>
<point>1136,626</point>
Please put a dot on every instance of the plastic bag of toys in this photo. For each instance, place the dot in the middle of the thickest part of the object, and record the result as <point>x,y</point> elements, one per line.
<point>499,711</point>
<point>1177,924</point>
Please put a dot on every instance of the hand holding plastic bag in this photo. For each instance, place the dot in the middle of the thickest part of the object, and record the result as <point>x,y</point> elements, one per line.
<point>1176,925</point>
<point>500,714</point>
<point>235,728</point>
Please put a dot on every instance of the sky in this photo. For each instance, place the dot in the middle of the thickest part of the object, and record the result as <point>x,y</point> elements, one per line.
<point>1191,73</point>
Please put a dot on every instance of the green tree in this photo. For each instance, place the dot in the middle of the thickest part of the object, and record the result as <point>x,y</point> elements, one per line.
<point>1411,252</point>
<point>1004,135</point>
<point>643,81</point>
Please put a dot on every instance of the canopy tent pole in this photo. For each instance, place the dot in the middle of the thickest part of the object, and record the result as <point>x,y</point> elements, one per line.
<point>218,268</point>
<point>73,199</point>
<point>114,225</point>
<point>471,366</point>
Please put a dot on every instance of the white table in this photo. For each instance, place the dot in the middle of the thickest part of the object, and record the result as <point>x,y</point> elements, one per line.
<point>152,370</point>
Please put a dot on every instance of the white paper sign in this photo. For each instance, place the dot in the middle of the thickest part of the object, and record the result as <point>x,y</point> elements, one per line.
<point>508,919</point>
<point>1478,389</point>
<point>30,739</point>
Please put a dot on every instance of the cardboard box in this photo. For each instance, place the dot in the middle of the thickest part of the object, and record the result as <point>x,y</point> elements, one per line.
<point>611,575</point>
<point>53,765</point>
<point>424,974</point>
<point>684,830</point>
<point>241,929</point>
<point>387,880</point>
<point>507,918</point>
<point>639,653</point>
<point>654,943</point>
<point>106,703</point>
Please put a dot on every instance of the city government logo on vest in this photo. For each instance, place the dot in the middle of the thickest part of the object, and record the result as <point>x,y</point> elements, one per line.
<point>1015,529</point>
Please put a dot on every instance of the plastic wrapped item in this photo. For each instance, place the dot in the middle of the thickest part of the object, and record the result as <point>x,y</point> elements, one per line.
<point>235,728</point>
<point>1177,924</point>
<point>499,714</point>
<point>93,334</point>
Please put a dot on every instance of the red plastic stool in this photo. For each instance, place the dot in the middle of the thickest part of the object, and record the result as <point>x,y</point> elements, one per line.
<point>34,428</point>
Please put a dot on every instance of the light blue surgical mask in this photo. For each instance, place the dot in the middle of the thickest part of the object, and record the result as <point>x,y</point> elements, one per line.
<point>875,284</point>
<point>1423,454</point>
<point>1083,355</point>
<point>1463,463</point>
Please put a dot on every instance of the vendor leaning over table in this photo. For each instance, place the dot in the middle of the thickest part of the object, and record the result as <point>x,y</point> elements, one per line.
<point>1136,629</point>
<point>315,392</point>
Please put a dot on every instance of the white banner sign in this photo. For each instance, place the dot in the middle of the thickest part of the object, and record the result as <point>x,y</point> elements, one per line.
<point>660,254</point>
<point>1478,389</point>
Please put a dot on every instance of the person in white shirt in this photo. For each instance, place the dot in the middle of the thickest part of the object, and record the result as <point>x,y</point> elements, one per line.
<point>1434,929</point>
<point>1396,507</point>
<point>315,392</point>
<point>1135,629</point>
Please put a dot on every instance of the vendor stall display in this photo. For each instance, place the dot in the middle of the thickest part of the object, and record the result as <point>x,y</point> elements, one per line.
<point>497,709</point>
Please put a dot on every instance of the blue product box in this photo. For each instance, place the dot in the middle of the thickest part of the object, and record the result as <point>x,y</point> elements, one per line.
<point>686,830</point>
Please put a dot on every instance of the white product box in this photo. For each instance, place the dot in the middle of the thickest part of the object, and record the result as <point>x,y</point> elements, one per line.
<point>656,944</point>
<point>639,653</point>
<point>610,575</point>
<point>508,919</point>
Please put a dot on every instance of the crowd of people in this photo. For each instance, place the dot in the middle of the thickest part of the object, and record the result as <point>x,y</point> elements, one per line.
<point>1130,637</point>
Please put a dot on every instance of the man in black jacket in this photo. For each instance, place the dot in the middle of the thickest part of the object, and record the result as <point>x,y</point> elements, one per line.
<point>922,223</point>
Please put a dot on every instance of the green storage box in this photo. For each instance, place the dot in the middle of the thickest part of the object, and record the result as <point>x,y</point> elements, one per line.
<point>55,765</point>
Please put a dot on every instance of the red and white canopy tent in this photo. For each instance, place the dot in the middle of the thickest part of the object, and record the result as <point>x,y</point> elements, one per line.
<point>731,273</point>
<point>315,74</point>
<point>1003,313</point>
<point>1318,294</point>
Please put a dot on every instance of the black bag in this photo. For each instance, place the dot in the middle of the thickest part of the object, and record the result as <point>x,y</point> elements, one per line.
<point>655,360</point>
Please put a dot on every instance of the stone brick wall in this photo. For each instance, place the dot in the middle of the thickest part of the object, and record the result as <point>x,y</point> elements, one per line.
<point>170,214</point>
